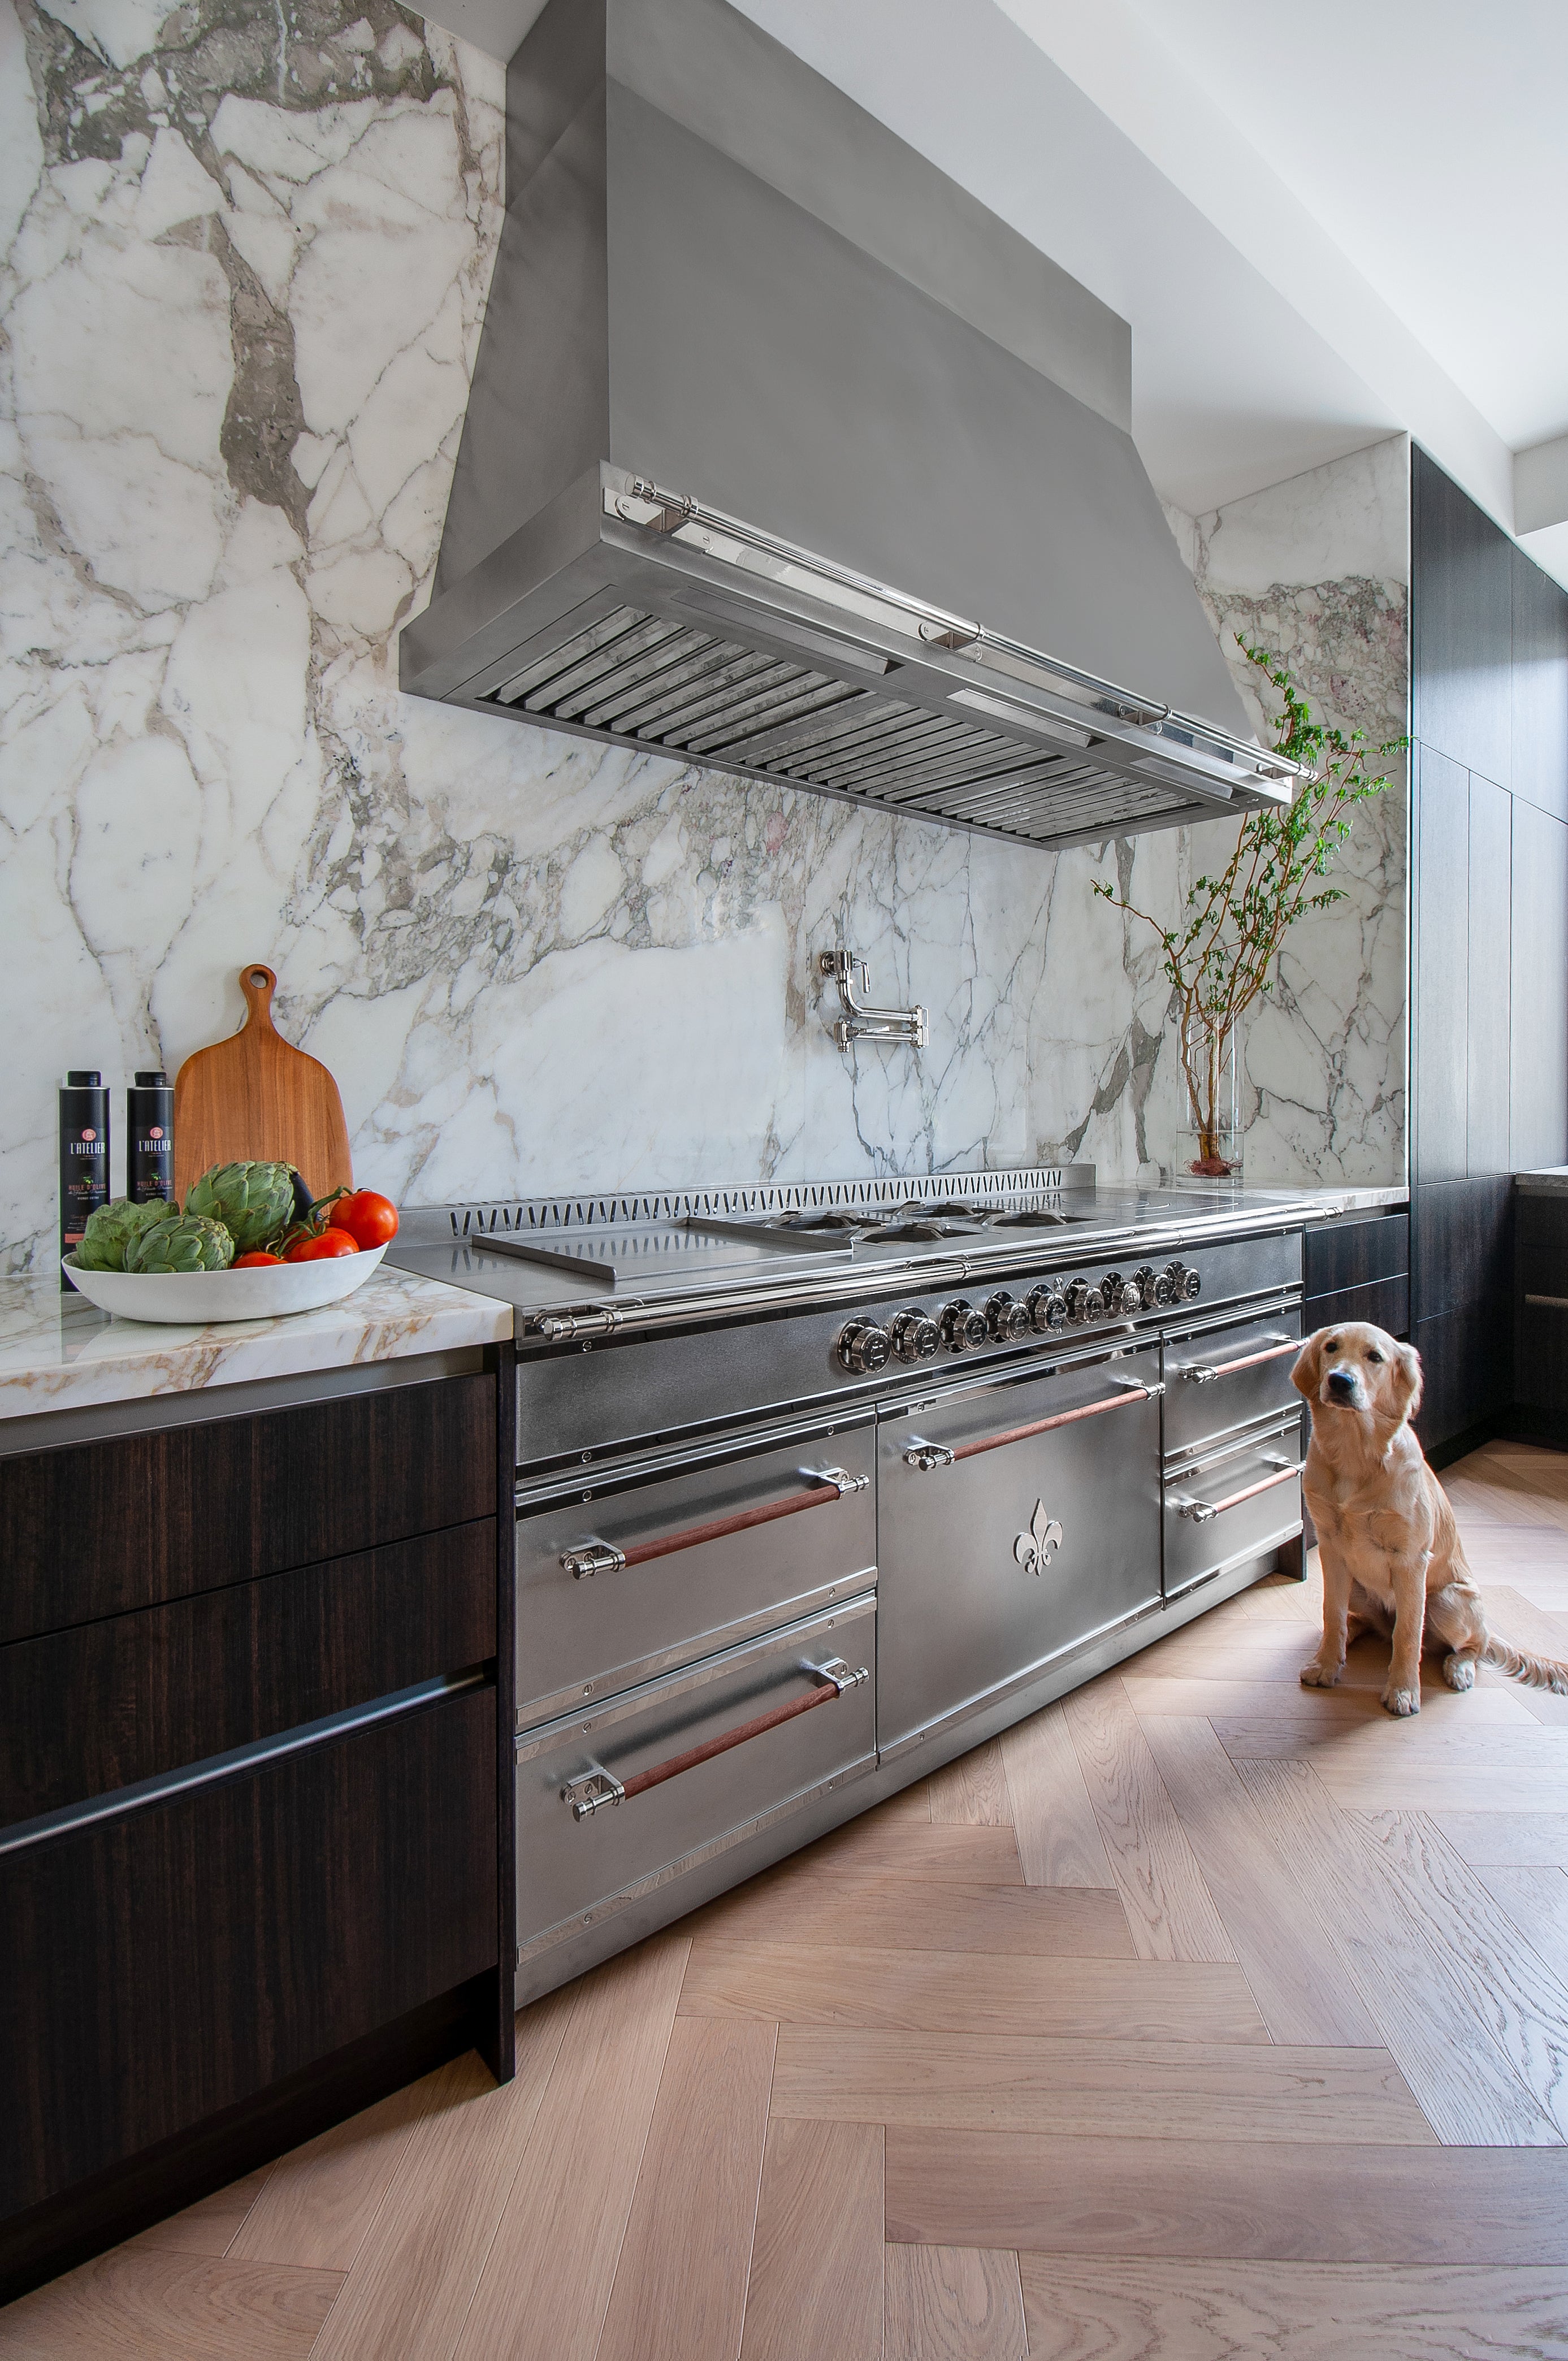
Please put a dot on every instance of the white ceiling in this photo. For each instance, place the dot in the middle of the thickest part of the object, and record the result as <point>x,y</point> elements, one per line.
<point>1430,138</point>
<point>1325,225</point>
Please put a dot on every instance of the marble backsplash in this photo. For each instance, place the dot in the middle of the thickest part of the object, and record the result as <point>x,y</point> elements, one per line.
<point>245,253</point>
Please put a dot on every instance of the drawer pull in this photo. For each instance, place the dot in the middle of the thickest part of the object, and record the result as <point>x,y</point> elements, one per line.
<point>927,1455</point>
<point>1197,1373</point>
<point>1201,1511</point>
<point>597,1786</point>
<point>595,1556</point>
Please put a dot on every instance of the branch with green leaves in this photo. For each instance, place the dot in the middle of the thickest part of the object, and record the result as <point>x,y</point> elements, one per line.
<point>1221,954</point>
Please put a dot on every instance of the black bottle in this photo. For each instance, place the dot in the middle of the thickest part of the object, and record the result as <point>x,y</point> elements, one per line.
<point>83,1158</point>
<point>149,1146</point>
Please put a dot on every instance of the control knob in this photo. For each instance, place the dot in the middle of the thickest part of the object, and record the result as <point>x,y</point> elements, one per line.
<point>1185,1285</point>
<point>1048,1309</point>
<point>1147,1285</point>
<point>1005,1319</point>
<point>864,1347</point>
<point>915,1336</point>
<point>962,1327</point>
<point>1121,1294</point>
<point>1084,1304</point>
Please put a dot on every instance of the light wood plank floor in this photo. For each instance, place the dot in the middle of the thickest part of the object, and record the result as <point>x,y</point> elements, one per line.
<point>1201,2015</point>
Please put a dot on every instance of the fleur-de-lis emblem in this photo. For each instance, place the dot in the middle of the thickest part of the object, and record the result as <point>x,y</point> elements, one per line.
<point>1036,1549</point>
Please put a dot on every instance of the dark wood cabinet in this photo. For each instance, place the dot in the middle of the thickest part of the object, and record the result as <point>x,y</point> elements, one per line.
<point>1461,626</point>
<point>97,1528</point>
<point>1489,979</point>
<point>1538,686</point>
<point>167,1962</point>
<point>256,1848</point>
<point>1352,1253</point>
<point>105,1705</point>
<point>1440,950</point>
<point>1538,1079</point>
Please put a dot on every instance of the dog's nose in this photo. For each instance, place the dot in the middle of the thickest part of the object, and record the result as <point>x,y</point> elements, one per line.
<point>1342,1383</point>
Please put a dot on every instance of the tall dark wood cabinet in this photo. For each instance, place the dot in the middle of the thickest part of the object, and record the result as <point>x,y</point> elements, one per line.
<point>255,1821</point>
<point>1489,938</point>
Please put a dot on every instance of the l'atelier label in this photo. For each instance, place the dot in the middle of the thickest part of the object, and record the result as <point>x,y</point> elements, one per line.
<point>1036,1549</point>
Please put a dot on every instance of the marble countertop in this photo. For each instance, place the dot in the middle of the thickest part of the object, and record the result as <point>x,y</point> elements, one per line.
<point>1547,1181</point>
<point>58,1352</point>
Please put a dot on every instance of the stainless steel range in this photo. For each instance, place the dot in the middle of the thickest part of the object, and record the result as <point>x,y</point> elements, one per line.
<point>817,1486</point>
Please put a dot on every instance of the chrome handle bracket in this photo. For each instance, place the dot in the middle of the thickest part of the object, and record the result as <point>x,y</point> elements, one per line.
<point>834,1669</point>
<point>927,1455</point>
<point>860,1021</point>
<point>840,1478</point>
<point>1200,1511</point>
<point>592,1791</point>
<point>1153,1386</point>
<point>590,1557</point>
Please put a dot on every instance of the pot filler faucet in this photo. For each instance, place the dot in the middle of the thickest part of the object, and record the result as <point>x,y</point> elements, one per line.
<point>860,1022</point>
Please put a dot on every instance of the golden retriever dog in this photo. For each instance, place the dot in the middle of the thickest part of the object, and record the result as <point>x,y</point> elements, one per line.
<point>1393,1561</point>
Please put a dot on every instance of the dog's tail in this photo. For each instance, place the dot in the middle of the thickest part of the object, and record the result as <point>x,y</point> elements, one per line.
<point>1538,1671</point>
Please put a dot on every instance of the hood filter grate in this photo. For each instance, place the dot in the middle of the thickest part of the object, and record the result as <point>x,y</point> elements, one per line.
<point>682,691</point>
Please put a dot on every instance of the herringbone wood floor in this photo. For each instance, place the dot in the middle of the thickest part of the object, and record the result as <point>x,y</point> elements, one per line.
<point>1199,2015</point>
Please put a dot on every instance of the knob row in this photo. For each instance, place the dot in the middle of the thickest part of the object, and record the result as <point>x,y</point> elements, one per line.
<point>913,1336</point>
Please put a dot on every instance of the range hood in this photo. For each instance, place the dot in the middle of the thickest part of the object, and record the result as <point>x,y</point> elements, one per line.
<point>785,458</point>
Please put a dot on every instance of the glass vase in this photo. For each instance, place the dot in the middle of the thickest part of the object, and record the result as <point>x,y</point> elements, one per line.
<point>1209,1146</point>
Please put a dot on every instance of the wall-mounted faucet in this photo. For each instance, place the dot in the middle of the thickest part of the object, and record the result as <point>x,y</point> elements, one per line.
<point>861,1023</point>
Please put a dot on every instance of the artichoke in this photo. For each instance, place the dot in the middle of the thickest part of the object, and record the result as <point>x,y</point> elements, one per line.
<point>113,1229</point>
<point>253,1201</point>
<point>182,1242</point>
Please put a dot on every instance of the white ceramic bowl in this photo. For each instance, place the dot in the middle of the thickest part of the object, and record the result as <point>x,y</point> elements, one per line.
<point>191,1298</point>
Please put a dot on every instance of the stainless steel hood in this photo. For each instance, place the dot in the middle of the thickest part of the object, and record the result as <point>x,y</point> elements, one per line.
<point>784,456</point>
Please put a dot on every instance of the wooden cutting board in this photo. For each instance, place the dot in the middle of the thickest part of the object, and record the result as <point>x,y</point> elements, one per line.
<point>254,1096</point>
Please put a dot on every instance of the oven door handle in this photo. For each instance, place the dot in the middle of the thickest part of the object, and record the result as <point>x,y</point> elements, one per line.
<point>1201,1511</point>
<point>929,1455</point>
<point>596,1557</point>
<point>596,1787</point>
<point>1201,1373</point>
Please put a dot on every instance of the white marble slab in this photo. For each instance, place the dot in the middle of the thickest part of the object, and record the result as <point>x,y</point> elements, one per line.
<point>58,1352</point>
<point>244,255</point>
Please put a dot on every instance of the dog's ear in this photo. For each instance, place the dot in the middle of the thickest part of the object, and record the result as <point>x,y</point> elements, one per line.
<point>1309,1367</point>
<point>1406,1379</point>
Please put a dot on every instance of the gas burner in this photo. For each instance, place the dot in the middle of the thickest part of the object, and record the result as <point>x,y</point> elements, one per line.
<point>854,1223</point>
<point>951,1209</point>
<point>901,1233</point>
<point>1034,1217</point>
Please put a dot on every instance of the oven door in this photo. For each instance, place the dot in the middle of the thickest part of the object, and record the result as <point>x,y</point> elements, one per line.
<point>1232,1501</point>
<point>1016,1520</point>
<point>664,1561</point>
<point>614,1802</point>
<point>1223,1376</point>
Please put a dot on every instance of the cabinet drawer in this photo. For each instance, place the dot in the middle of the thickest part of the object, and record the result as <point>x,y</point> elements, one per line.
<point>714,1553</point>
<point>1336,1255</point>
<point>1384,1303</point>
<point>1221,1379</point>
<point>1016,1520</point>
<point>85,1711</point>
<point>175,1959</point>
<point>570,1869</point>
<point>95,1528</point>
<point>1223,1506</point>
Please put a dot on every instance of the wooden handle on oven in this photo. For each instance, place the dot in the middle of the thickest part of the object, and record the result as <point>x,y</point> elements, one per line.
<point>590,1794</point>
<point>1203,1376</point>
<point>934,1455</point>
<point>597,1556</point>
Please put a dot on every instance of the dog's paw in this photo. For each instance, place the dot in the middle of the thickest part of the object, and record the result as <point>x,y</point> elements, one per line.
<point>1403,1701</point>
<point>1319,1675</point>
<point>1459,1672</point>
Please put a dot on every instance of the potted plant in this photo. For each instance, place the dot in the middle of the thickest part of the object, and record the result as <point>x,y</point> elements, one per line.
<point>1221,953</point>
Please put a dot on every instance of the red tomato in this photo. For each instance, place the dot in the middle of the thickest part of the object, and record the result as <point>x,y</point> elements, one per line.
<point>370,1219</point>
<point>256,1261</point>
<point>322,1249</point>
